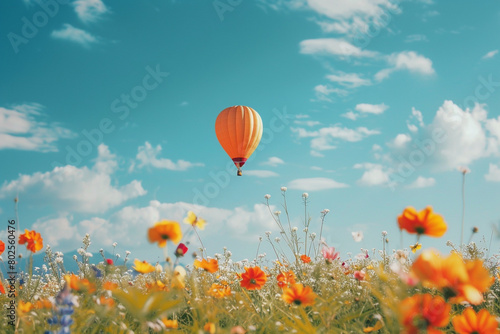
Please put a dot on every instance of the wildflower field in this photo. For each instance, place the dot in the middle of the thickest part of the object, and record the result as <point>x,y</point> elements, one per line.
<point>304,286</point>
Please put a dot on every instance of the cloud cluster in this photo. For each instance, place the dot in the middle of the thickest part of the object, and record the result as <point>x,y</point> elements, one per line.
<point>22,128</point>
<point>68,188</point>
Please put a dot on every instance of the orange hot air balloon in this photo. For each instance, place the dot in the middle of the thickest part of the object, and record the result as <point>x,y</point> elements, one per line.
<point>238,130</point>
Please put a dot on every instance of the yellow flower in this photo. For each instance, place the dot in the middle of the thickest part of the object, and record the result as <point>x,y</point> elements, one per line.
<point>194,221</point>
<point>170,323</point>
<point>415,248</point>
<point>143,267</point>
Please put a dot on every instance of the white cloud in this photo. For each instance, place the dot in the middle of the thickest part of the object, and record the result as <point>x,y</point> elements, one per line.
<point>323,138</point>
<point>493,173</point>
<point>376,109</point>
<point>307,123</point>
<point>89,10</point>
<point>261,173</point>
<point>422,182</point>
<point>349,80</point>
<point>400,141</point>
<point>353,17</point>
<point>334,47</point>
<point>21,128</point>
<point>374,175</point>
<point>317,154</point>
<point>323,91</point>
<point>490,54</point>
<point>128,226</point>
<point>70,33</point>
<point>416,38</point>
<point>456,137</point>
<point>147,155</point>
<point>57,231</point>
<point>351,115</point>
<point>75,189</point>
<point>315,184</point>
<point>406,60</point>
<point>273,161</point>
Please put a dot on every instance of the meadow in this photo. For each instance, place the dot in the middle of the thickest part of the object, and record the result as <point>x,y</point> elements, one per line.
<point>304,286</point>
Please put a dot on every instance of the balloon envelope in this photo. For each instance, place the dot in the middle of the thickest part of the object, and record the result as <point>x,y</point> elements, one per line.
<point>239,130</point>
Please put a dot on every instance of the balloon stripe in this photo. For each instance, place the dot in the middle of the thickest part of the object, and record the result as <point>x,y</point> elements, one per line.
<point>249,128</point>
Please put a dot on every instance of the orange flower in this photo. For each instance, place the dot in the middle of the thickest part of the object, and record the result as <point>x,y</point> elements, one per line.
<point>299,295</point>
<point>424,313</point>
<point>459,280</point>
<point>209,328</point>
<point>109,286</point>
<point>211,265</point>
<point>471,322</point>
<point>2,289</point>
<point>163,231</point>
<point>253,278</point>
<point>105,301</point>
<point>78,284</point>
<point>33,239</point>
<point>194,221</point>
<point>219,290</point>
<point>285,278</point>
<point>143,267</point>
<point>305,258</point>
<point>43,303</point>
<point>423,222</point>
<point>2,247</point>
<point>375,328</point>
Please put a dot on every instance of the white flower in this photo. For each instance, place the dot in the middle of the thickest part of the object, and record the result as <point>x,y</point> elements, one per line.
<point>260,238</point>
<point>306,229</point>
<point>117,256</point>
<point>59,260</point>
<point>325,211</point>
<point>357,236</point>
<point>464,169</point>
<point>81,251</point>
<point>75,257</point>
<point>305,195</point>
<point>283,189</point>
<point>127,253</point>
<point>158,268</point>
<point>268,233</point>
<point>88,254</point>
<point>114,244</point>
<point>267,196</point>
<point>384,233</point>
<point>277,239</point>
<point>295,229</point>
<point>313,235</point>
<point>277,212</point>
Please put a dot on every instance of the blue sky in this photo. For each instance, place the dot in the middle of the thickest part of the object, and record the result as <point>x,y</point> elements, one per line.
<point>107,113</point>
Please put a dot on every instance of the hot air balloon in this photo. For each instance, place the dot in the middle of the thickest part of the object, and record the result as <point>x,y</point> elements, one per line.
<point>238,130</point>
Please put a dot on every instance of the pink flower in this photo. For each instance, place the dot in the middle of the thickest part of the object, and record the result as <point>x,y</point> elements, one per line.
<point>329,253</point>
<point>359,275</point>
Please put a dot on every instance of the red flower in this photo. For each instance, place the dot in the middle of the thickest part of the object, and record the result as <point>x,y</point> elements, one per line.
<point>181,250</point>
<point>109,262</point>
